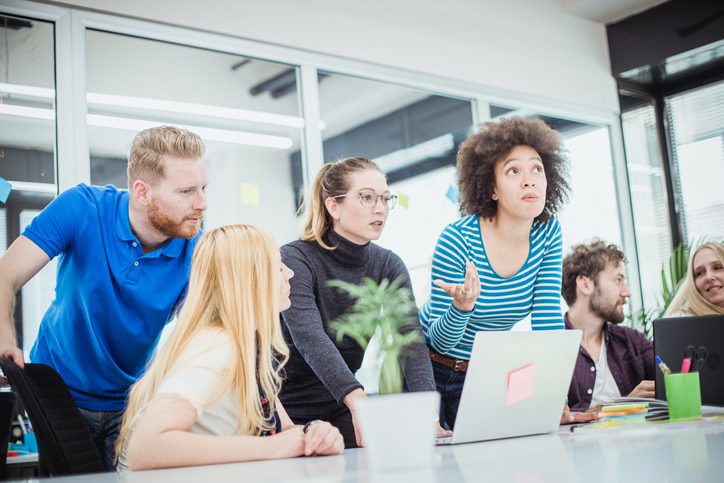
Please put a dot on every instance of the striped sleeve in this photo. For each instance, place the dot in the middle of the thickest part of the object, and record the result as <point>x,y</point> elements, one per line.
<point>443,324</point>
<point>546,313</point>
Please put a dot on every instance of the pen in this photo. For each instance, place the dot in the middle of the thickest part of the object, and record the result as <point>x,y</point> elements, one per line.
<point>664,368</point>
<point>685,365</point>
<point>22,424</point>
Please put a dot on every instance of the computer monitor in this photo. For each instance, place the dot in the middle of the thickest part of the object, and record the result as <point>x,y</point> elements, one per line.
<point>672,336</point>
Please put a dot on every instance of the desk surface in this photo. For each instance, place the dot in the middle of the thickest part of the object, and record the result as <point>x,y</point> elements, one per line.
<point>688,452</point>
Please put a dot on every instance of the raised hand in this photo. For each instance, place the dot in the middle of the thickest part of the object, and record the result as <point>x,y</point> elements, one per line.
<point>464,295</point>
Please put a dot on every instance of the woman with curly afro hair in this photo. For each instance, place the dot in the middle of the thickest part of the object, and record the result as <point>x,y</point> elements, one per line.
<point>502,260</point>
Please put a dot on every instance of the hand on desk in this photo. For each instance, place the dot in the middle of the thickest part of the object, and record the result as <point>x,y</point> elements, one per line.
<point>323,439</point>
<point>440,431</point>
<point>644,389</point>
<point>349,401</point>
<point>571,417</point>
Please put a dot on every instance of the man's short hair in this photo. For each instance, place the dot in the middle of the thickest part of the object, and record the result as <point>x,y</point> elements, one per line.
<point>589,260</point>
<point>150,146</point>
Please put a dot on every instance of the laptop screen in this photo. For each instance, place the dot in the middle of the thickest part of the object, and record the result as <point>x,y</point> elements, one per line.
<point>673,335</point>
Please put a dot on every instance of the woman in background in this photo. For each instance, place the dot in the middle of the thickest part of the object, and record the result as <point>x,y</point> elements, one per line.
<point>702,292</point>
<point>347,210</point>
<point>210,395</point>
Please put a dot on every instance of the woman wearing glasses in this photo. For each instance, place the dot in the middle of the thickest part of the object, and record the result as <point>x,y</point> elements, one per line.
<point>502,261</point>
<point>347,209</point>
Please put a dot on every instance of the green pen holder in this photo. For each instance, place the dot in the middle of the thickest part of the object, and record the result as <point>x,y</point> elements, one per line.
<point>684,396</point>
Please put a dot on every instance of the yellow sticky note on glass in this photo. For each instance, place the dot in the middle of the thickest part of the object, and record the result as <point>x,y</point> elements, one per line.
<point>521,384</point>
<point>403,199</point>
<point>250,194</point>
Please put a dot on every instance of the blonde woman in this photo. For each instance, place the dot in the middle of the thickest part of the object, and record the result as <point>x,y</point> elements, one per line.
<point>113,248</point>
<point>210,394</point>
<point>702,293</point>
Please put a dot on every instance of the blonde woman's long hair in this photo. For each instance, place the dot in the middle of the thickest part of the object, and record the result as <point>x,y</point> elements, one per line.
<point>332,180</point>
<point>688,299</point>
<point>233,287</point>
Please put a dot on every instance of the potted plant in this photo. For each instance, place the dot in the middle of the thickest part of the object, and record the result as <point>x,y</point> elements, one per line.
<point>398,429</point>
<point>673,274</point>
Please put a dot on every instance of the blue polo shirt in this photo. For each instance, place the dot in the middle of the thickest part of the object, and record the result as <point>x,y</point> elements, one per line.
<point>111,300</point>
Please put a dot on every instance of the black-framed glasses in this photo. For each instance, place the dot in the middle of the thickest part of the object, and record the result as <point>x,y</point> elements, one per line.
<point>369,199</point>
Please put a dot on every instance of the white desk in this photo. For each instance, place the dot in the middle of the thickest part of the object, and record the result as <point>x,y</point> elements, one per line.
<point>687,452</point>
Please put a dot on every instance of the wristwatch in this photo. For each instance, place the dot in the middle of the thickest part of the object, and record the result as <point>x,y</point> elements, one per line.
<point>310,423</point>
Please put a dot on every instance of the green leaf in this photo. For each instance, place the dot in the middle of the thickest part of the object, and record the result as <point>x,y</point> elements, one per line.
<point>384,306</point>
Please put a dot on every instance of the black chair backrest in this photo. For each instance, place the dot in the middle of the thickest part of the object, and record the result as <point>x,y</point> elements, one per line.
<point>65,446</point>
<point>7,407</point>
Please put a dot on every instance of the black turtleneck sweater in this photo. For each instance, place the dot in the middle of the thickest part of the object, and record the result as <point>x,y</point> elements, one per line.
<point>320,370</point>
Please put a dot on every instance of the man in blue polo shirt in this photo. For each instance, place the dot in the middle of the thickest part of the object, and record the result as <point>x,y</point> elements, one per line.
<point>123,266</point>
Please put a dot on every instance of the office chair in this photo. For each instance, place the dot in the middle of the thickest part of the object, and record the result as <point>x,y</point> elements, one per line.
<point>7,407</point>
<point>65,446</point>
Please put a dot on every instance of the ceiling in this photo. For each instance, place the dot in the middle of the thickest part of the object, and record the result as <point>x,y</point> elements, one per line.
<point>606,11</point>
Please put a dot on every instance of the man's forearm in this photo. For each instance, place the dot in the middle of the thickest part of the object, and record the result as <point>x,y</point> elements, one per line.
<point>7,327</point>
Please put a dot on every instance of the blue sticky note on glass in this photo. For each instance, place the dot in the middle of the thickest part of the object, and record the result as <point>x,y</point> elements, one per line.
<point>5,189</point>
<point>452,194</point>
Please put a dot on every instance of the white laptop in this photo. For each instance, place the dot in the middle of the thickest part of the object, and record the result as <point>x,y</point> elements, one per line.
<point>516,385</point>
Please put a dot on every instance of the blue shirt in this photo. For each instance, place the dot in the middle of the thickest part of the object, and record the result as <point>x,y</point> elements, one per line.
<point>111,300</point>
<point>535,288</point>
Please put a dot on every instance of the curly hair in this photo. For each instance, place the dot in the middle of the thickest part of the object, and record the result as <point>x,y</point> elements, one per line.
<point>480,152</point>
<point>589,260</point>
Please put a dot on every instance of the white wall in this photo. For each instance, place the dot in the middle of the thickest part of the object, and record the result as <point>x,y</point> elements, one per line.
<point>528,47</point>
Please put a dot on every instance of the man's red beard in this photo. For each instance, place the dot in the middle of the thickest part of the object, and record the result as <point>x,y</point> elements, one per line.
<point>170,227</point>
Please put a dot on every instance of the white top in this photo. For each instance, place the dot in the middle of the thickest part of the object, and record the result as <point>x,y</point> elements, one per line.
<point>196,377</point>
<point>605,389</point>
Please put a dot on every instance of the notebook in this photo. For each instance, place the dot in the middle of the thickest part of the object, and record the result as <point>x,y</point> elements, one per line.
<point>516,385</point>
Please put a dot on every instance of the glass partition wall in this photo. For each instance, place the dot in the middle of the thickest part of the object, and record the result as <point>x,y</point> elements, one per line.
<point>247,102</point>
<point>696,128</point>
<point>27,150</point>
<point>245,109</point>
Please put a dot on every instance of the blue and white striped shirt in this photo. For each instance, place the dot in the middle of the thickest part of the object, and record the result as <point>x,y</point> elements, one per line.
<point>535,288</point>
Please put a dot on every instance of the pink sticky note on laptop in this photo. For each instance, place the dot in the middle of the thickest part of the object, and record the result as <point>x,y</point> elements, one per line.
<point>521,384</point>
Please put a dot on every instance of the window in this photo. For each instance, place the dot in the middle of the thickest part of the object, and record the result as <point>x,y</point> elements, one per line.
<point>413,136</point>
<point>246,110</point>
<point>27,150</point>
<point>696,126</point>
<point>648,197</point>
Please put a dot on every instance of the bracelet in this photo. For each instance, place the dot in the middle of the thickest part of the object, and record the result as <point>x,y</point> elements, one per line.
<point>310,424</point>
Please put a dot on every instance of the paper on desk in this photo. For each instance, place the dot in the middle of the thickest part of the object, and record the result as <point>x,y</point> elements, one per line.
<point>5,189</point>
<point>521,384</point>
